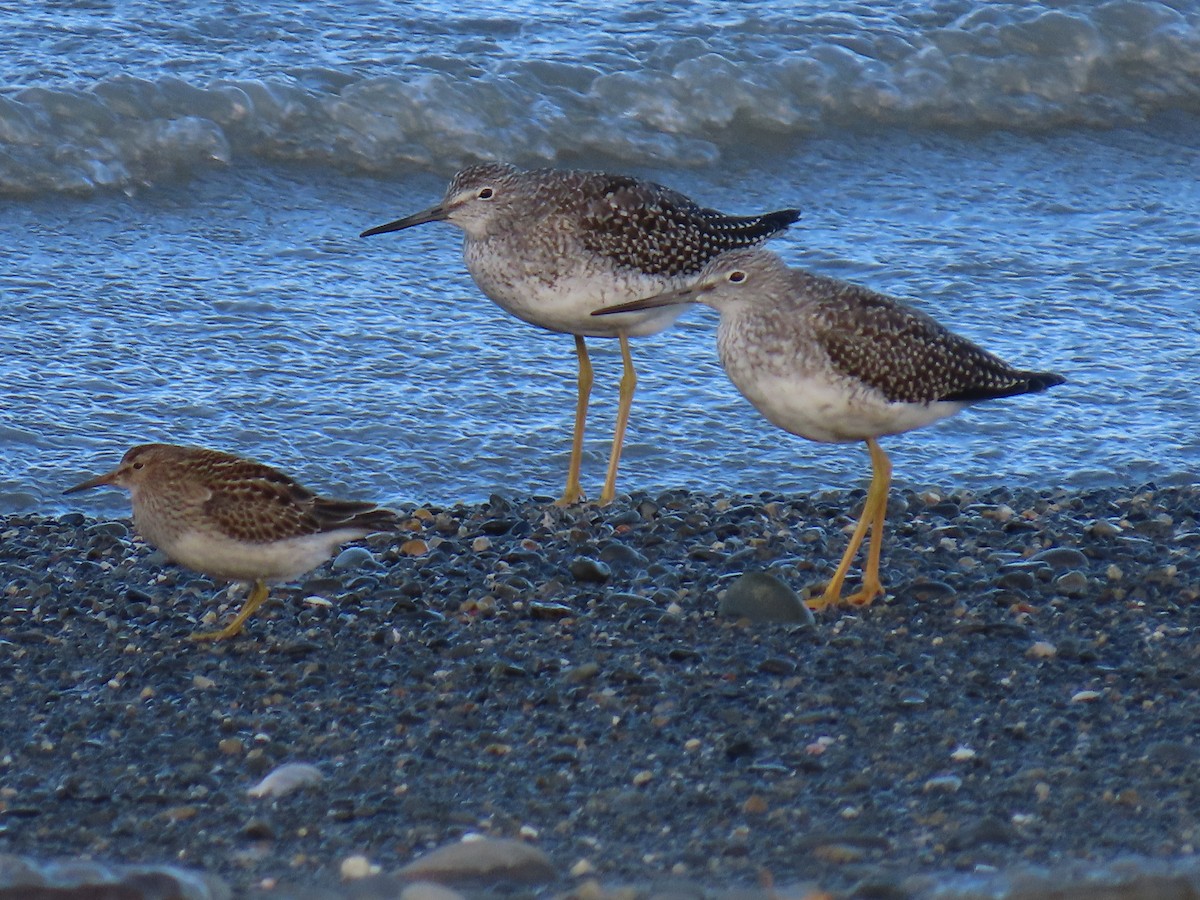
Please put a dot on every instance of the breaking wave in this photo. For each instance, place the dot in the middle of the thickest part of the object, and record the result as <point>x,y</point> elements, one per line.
<point>686,99</point>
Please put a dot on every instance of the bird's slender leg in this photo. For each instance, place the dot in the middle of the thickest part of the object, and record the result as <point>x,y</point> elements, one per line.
<point>574,491</point>
<point>881,482</point>
<point>628,386</point>
<point>873,511</point>
<point>253,602</point>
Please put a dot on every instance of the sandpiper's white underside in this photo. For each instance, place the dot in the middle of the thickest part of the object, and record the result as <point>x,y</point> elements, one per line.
<point>238,560</point>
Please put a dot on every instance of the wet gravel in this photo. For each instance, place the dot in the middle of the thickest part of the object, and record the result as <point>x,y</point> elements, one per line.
<point>1027,695</point>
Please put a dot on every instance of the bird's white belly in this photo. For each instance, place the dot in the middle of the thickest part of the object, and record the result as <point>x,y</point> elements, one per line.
<point>834,413</point>
<point>282,560</point>
<point>564,303</point>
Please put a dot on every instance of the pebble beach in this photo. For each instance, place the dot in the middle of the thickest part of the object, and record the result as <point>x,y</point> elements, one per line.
<point>589,694</point>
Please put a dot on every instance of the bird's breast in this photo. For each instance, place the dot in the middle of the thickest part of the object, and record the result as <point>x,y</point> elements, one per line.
<point>560,294</point>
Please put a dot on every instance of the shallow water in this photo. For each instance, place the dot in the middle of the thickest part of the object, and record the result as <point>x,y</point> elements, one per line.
<point>183,265</point>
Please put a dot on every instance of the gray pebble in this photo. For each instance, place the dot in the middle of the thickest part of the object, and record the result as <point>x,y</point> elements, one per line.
<point>760,597</point>
<point>1071,584</point>
<point>1061,558</point>
<point>488,859</point>
<point>593,571</point>
<point>355,558</point>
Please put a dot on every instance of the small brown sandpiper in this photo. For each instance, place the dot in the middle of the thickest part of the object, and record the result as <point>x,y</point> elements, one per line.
<point>234,518</point>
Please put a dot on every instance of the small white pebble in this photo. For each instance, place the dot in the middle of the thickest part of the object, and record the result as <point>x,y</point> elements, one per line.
<point>962,754</point>
<point>1041,650</point>
<point>1113,572</point>
<point>1085,696</point>
<point>203,682</point>
<point>1020,819</point>
<point>481,543</point>
<point>643,777</point>
<point>692,745</point>
<point>285,779</point>
<point>528,832</point>
<point>1041,790</point>
<point>356,867</point>
<point>1002,513</point>
<point>850,812</point>
<point>581,868</point>
<point>819,746</point>
<point>674,609</point>
<point>314,600</point>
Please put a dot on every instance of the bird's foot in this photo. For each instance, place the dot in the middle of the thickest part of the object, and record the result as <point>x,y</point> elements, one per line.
<point>832,596</point>
<point>865,595</point>
<point>572,495</point>
<point>233,629</point>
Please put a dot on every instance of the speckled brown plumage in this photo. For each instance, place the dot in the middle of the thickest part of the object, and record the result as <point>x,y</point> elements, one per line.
<point>551,245</point>
<point>233,518</point>
<point>254,502</point>
<point>654,230</point>
<point>899,351</point>
<point>832,361</point>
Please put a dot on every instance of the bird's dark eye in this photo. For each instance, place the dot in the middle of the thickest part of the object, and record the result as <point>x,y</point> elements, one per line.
<point>737,276</point>
<point>138,465</point>
<point>486,193</point>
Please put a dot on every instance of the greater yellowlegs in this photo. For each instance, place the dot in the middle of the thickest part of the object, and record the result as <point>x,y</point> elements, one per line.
<point>551,245</point>
<point>835,362</point>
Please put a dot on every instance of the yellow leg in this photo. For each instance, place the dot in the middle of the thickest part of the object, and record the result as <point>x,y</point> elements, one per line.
<point>628,386</point>
<point>253,602</point>
<point>881,482</point>
<point>874,509</point>
<point>574,491</point>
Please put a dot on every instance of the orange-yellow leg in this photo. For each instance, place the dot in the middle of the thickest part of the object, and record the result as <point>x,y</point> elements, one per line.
<point>574,491</point>
<point>253,602</point>
<point>874,510</point>
<point>625,403</point>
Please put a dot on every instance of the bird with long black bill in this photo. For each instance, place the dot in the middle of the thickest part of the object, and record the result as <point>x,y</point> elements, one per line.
<point>836,362</point>
<point>551,245</point>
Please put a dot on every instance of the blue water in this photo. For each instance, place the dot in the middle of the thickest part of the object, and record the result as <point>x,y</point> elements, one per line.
<point>180,201</point>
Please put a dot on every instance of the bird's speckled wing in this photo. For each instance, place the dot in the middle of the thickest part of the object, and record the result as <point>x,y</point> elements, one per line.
<point>906,355</point>
<point>658,231</point>
<point>255,502</point>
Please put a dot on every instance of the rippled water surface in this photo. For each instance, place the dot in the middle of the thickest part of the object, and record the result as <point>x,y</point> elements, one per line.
<point>181,201</point>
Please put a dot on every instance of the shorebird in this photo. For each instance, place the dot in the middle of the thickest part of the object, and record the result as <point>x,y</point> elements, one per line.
<point>551,245</point>
<point>836,362</point>
<point>234,518</point>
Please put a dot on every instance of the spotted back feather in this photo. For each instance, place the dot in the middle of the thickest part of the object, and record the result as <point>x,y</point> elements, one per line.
<point>255,502</point>
<point>905,354</point>
<point>653,229</point>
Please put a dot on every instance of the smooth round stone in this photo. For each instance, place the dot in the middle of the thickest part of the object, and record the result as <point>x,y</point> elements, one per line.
<point>1071,584</point>
<point>760,597</point>
<point>109,529</point>
<point>487,860</point>
<point>1061,558</point>
<point>355,558</point>
<point>584,568</point>
<point>622,556</point>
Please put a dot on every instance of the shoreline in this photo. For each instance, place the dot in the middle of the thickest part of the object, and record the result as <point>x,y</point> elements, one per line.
<point>1024,697</point>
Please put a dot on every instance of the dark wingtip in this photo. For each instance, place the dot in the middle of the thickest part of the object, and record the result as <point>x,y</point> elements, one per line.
<point>1021,383</point>
<point>1040,381</point>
